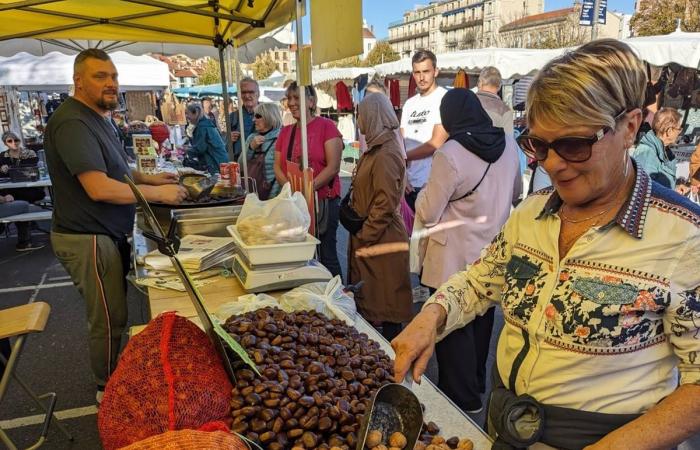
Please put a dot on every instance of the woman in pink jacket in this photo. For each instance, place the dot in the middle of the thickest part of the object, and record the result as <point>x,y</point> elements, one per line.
<point>474,179</point>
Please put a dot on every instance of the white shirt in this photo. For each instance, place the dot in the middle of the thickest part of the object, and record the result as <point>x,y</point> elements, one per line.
<point>419,116</point>
<point>610,326</point>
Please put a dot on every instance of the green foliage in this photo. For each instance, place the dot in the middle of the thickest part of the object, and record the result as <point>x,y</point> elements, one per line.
<point>657,17</point>
<point>211,74</point>
<point>381,53</point>
<point>263,66</point>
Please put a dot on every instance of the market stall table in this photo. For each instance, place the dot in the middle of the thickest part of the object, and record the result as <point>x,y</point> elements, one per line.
<point>438,408</point>
<point>44,182</point>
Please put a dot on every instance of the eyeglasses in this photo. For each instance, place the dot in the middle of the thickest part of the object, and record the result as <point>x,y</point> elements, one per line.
<point>257,116</point>
<point>247,92</point>
<point>569,148</point>
<point>16,141</point>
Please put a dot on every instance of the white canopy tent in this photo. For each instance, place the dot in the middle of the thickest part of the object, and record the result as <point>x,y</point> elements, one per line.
<point>340,73</point>
<point>54,72</point>
<point>511,62</point>
<point>677,47</point>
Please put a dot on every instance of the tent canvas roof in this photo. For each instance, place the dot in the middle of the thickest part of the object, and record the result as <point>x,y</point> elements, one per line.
<point>55,71</point>
<point>180,21</point>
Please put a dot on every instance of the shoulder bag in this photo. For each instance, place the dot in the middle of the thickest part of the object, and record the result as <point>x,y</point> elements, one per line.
<point>472,190</point>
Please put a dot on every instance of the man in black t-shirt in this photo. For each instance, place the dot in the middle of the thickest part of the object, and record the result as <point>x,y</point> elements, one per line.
<point>93,206</point>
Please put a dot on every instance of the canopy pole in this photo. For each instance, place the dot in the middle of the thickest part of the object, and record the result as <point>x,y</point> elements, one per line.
<point>227,101</point>
<point>241,121</point>
<point>302,89</point>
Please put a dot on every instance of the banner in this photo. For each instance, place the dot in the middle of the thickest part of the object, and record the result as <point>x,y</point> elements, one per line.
<point>336,29</point>
<point>586,17</point>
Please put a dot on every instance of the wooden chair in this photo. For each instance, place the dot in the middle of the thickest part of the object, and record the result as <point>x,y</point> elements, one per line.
<point>18,323</point>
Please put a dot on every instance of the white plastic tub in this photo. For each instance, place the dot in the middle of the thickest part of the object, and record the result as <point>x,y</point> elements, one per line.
<point>275,253</point>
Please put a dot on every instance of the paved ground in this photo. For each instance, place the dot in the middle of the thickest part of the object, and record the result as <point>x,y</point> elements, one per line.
<point>57,358</point>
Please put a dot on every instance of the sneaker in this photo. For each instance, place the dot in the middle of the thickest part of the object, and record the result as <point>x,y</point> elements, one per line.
<point>28,246</point>
<point>474,411</point>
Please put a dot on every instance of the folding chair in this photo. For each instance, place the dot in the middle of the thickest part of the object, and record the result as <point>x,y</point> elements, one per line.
<point>18,322</point>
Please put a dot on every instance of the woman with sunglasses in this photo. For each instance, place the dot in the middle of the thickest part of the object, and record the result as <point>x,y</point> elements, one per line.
<point>267,120</point>
<point>597,278</point>
<point>16,156</point>
<point>653,153</point>
<point>325,147</point>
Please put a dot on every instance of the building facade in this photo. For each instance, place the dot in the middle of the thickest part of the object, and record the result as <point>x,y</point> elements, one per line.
<point>368,40</point>
<point>559,28</point>
<point>451,25</point>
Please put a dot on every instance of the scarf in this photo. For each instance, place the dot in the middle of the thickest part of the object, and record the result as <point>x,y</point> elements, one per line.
<point>467,122</point>
<point>377,119</point>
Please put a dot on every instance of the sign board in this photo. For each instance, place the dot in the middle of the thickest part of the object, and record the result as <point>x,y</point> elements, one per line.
<point>586,18</point>
<point>336,29</point>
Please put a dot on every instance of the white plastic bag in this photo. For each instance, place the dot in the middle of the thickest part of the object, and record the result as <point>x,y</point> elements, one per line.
<point>418,246</point>
<point>284,218</point>
<point>325,298</point>
<point>244,304</point>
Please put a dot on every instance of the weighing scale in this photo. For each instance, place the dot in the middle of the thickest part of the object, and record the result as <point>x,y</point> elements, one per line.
<point>274,277</point>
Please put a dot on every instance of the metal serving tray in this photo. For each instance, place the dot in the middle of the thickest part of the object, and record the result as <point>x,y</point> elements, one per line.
<point>208,221</point>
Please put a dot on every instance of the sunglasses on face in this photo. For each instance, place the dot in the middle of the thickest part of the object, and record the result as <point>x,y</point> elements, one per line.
<point>16,141</point>
<point>569,148</point>
<point>257,116</point>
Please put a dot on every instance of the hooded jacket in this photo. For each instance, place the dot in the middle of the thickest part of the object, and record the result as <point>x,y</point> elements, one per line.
<point>207,145</point>
<point>651,156</point>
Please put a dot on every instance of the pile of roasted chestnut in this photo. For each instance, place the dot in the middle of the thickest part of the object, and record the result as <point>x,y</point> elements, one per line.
<point>317,378</point>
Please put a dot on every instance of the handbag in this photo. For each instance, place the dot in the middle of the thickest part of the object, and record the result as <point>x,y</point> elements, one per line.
<point>258,172</point>
<point>349,218</point>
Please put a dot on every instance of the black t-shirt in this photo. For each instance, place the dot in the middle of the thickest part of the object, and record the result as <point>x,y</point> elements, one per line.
<point>78,140</point>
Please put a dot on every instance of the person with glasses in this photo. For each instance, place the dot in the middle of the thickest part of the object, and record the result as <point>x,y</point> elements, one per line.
<point>16,156</point>
<point>250,95</point>
<point>597,278</point>
<point>653,154</point>
<point>261,149</point>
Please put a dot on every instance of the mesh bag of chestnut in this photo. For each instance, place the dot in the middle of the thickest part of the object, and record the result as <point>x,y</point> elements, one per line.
<point>190,440</point>
<point>317,377</point>
<point>169,377</point>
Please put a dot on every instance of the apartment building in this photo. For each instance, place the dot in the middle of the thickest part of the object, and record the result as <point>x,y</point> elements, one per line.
<point>450,25</point>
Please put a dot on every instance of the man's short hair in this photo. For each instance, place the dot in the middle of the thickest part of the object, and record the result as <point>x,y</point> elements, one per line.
<point>250,80</point>
<point>490,76</point>
<point>422,55</point>
<point>95,53</point>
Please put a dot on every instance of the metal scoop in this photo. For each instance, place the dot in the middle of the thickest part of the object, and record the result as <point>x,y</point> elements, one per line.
<point>394,408</point>
<point>198,186</point>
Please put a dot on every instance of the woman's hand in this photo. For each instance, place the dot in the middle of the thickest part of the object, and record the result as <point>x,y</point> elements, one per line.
<point>5,168</point>
<point>256,142</point>
<point>416,343</point>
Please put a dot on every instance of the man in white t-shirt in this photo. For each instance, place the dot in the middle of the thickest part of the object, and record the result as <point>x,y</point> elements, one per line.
<point>421,126</point>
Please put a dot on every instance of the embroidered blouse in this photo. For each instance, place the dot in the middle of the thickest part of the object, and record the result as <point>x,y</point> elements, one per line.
<point>610,327</point>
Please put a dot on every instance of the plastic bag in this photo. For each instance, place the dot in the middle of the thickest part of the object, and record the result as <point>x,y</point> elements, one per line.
<point>284,218</point>
<point>244,304</point>
<point>325,298</point>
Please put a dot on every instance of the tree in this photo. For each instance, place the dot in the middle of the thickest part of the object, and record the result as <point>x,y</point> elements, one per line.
<point>350,61</point>
<point>381,53</point>
<point>211,73</point>
<point>659,17</point>
<point>263,66</point>
<point>565,34</point>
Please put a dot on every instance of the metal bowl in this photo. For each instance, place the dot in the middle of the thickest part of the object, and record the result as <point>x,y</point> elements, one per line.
<point>394,408</point>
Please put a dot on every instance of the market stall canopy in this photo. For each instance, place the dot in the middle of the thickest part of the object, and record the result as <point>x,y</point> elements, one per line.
<point>678,47</point>
<point>279,38</point>
<point>204,90</point>
<point>511,62</point>
<point>54,72</point>
<point>176,21</point>
<point>340,73</point>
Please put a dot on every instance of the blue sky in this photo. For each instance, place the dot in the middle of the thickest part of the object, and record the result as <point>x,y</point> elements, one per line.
<point>381,12</point>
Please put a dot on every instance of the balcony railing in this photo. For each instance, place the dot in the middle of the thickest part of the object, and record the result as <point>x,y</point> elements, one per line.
<point>408,36</point>
<point>462,24</point>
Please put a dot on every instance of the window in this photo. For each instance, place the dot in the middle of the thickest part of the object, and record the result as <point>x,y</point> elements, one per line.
<point>277,56</point>
<point>369,46</point>
<point>284,67</point>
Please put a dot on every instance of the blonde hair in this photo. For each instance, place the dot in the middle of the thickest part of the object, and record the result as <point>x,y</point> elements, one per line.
<point>664,119</point>
<point>588,86</point>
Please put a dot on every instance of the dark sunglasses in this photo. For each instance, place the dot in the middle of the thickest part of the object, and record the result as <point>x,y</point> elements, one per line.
<point>12,140</point>
<point>257,116</point>
<point>569,148</point>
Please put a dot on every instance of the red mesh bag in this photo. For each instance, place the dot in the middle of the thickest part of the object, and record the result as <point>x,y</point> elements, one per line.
<point>190,440</point>
<point>169,378</point>
<point>159,132</point>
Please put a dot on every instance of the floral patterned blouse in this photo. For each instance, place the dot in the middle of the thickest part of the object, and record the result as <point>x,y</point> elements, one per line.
<point>615,325</point>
